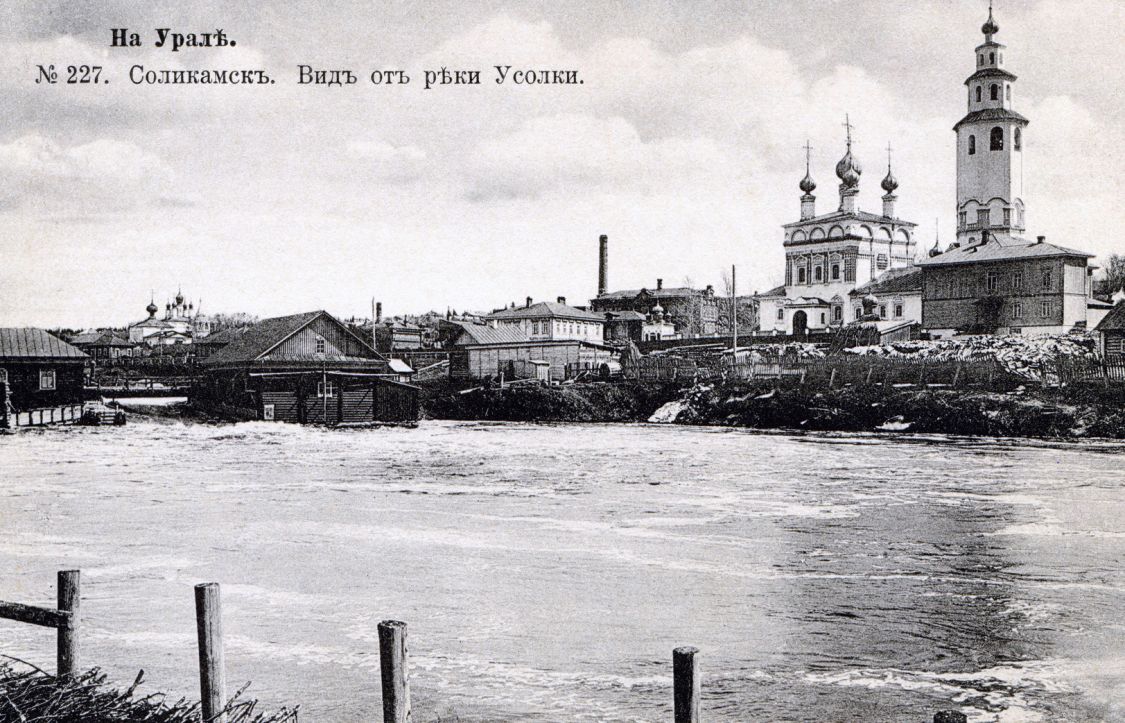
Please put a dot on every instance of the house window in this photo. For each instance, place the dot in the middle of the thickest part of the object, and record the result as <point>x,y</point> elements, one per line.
<point>325,389</point>
<point>996,139</point>
<point>781,314</point>
<point>835,272</point>
<point>1017,310</point>
<point>898,311</point>
<point>1044,308</point>
<point>1017,280</point>
<point>1017,140</point>
<point>994,92</point>
<point>991,281</point>
<point>46,379</point>
<point>3,376</point>
<point>882,311</point>
<point>1045,281</point>
<point>972,145</point>
<point>321,345</point>
<point>800,276</point>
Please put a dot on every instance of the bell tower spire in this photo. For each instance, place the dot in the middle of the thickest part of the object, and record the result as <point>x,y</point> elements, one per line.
<point>990,148</point>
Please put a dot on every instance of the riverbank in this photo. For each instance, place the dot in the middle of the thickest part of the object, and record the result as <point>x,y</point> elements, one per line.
<point>32,696</point>
<point>1075,412</point>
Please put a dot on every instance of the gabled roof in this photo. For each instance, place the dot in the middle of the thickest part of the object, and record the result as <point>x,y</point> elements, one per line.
<point>626,315</point>
<point>546,309</point>
<point>997,250</point>
<point>224,337</point>
<point>907,280</point>
<point>35,344</point>
<point>775,291</point>
<point>1114,320</point>
<point>992,114</point>
<point>849,216</point>
<point>482,334</point>
<point>262,337</point>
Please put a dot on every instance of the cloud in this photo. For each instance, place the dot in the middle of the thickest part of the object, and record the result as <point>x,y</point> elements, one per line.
<point>101,176</point>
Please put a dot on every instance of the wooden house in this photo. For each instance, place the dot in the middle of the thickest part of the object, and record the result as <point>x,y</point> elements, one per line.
<point>39,371</point>
<point>1111,332</point>
<point>308,368</point>
<point>481,351</point>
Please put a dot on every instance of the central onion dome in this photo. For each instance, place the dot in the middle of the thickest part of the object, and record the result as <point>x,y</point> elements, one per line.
<point>848,169</point>
<point>179,299</point>
<point>890,183</point>
<point>808,185</point>
<point>151,308</point>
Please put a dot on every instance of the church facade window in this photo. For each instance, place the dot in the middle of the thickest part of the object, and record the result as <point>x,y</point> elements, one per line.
<point>882,311</point>
<point>994,92</point>
<point>781,314</point>
<point>837,313</point>
<point>1017,140</point>
<point>1008,91</point>
<point>1007,217</point>
<point>818,273</point>
<point>978,94</point>
<point>835,272</point>
<point>996,139</point>
<point>992,57</point>
<point>972,145</point>
<point>858,311</point>
<point>801,275</point>
<point>898,311</point>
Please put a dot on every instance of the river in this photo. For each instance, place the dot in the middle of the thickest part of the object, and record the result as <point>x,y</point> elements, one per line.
<point>546,572</point>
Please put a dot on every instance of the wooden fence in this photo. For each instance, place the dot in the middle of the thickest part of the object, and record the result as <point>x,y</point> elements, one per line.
<point>833,371</point>
<point>393,657</point>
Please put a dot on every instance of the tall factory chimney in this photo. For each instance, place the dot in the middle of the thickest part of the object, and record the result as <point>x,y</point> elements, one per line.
<point>603,264</point>
<point>378,312</point>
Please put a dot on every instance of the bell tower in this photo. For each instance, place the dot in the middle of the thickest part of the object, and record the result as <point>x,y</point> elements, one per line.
<point>990,141</point>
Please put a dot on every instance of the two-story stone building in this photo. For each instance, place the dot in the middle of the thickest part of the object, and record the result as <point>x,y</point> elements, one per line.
<point>547,321</point>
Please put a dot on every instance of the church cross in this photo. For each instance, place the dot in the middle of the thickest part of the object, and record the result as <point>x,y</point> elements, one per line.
<point>808,154</point>
<point>889,152</point>
<point>848,125</point>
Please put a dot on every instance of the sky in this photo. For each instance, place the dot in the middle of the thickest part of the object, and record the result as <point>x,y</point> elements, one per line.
<point>683,145</point>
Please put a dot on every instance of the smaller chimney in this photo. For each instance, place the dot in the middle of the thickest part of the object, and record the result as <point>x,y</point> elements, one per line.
<point>378,311</point>
<point>603,264</point>
<point>528,302</point>
<point>562,300</point>
<point>659,284</point>
<point>1040,239</point>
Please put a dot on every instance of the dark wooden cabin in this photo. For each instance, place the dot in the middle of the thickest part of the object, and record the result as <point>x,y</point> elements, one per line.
<point>307,368</point>
<point>38,371</point>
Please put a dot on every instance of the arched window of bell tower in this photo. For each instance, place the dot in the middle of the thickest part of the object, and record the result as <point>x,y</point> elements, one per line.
<point>978,94</point>
<point>1008,91</point>
<point>1017,140</point>
<point>992,57</point>
<point>996,139</point>
<point>972,145</point>
<point>994,92</point>
<point>980,59</point>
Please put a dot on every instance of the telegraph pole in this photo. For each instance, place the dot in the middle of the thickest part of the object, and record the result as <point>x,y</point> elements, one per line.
<point>734,310</point>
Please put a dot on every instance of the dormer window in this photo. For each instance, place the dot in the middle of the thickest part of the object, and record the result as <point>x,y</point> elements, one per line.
<point>996,139</point>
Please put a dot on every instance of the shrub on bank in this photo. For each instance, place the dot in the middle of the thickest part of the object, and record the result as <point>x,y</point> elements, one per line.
<point>29,695</point>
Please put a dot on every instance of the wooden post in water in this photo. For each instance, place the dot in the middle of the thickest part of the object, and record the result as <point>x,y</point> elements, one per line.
<point>393,661</point>
<point>212,674</point>
<point>67,635</point>
<point>685,685</point>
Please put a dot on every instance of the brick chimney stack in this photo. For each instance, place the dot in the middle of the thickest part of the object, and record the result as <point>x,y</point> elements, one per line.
<point>603,264</point>
<point>528,306</point>
<point>659,284</point>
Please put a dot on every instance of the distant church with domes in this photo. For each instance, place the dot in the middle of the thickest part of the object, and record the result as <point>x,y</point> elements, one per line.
<point>833,259</point>
<point>182,322</point>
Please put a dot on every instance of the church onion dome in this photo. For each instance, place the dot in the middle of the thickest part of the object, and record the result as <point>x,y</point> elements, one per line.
<point>808,185</point>
<point>848,169</point>
<point>890,183</point>
<point>935,250</point>
<point>179,299</point>
<point>990,27</point>
<point>151,308</point>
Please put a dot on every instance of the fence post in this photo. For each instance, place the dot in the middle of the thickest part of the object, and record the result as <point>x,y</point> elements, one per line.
<point>870,368</point>
<point>832,378</point>
<point>67,635</point>
<point>393,661</point>
<point>957,374</point>
<point>212,674</point>
<point>685,685</point>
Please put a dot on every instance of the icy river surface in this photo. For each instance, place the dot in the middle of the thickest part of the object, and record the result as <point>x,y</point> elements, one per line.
<point>546,572</point>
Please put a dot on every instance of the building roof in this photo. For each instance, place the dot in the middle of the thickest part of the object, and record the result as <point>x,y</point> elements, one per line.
<point>224,337</point>
<point>907,280</point>
<point>626,315</point>
<point>996,250</point>
<point>35,344</point>
<point>398,366</point>
<point>775,291</point>
<point>549,309</point>
<point>663,293</point>
<point>1114,320</point>
<point>990,73</point>
<point>992,114</point>
<point>483,334</point>
<point>259,339</point>
<point>848,216</point>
